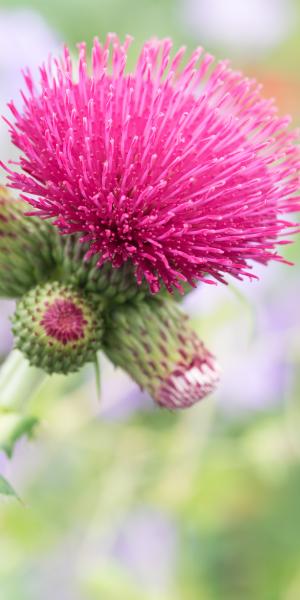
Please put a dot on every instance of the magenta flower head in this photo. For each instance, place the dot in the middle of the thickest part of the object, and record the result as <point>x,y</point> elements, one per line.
<point>182,171</point>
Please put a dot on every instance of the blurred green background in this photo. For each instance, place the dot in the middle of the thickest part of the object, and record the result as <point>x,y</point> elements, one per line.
<point>121,501</point>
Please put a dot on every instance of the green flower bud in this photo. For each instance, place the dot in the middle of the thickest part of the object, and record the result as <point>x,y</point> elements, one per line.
<point>57,328</point>
<point>154,342</point>
<point>114,286</point>
<point>26,244</point>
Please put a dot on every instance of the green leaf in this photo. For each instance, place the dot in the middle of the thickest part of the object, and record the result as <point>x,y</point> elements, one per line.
<point>12,428</point>
<point>6,489</point>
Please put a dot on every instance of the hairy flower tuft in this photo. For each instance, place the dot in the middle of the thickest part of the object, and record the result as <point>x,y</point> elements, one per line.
<point>184,171</point>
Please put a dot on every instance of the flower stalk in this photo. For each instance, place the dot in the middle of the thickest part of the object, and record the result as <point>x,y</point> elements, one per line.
<point>19,382</point>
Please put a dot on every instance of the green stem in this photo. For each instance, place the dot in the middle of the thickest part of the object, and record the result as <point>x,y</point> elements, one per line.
<point>18,381</point>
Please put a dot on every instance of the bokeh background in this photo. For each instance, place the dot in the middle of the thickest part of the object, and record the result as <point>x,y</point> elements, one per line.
<point>121,501</point>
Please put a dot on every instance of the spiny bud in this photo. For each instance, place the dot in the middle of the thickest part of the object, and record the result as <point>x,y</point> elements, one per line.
<point>26,243</point>
<point>154,342</point>
<point>113,285</point>
<point>57,328</point>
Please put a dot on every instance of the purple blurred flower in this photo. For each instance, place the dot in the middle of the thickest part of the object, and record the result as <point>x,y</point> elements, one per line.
<point>143,544</point>
<point>4,464</point>
<point>120,395</point>
<point>146,545</point>
<point>6,340</point>
<point>251,334</point>
<point>26,39</point>
<point>256,377</point>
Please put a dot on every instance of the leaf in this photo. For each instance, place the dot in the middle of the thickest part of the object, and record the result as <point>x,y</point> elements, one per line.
<point>6,489</point>
<point>18,427</point>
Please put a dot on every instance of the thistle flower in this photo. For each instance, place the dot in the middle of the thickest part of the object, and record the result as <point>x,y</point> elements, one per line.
<point>182,171</point>
<point>57,328</point>
<point>154,342</point>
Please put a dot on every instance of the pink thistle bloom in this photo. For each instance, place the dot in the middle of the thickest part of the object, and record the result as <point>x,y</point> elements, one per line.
<point>64,321</point>
<point>183,171</point>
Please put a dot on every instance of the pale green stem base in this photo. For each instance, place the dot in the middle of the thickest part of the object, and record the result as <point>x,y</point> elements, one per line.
<point>18,382</point>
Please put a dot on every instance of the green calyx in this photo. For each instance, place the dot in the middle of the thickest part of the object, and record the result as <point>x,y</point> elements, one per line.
<point>154,342</point>
<point>113,286</point>
<point>57,328</point>
<point>26,244</point>
<point>32,252</point>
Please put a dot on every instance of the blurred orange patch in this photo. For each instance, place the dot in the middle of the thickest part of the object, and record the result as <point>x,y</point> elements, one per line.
<point>284,88</point>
